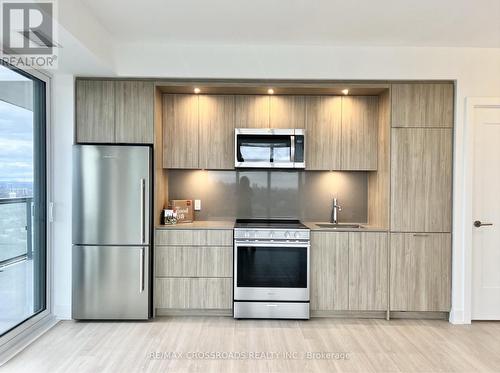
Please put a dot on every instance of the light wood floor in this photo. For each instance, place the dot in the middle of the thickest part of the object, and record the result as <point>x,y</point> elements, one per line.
<point>371,345</point>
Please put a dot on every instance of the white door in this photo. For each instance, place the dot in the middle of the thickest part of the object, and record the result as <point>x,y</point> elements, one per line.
<point>486,210</point>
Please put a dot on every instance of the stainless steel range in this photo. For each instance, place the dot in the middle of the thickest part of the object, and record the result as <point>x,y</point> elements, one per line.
<point>271,269</point>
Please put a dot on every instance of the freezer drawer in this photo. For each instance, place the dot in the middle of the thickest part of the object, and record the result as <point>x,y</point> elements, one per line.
<point>111,195</point>
<point>110,282</point>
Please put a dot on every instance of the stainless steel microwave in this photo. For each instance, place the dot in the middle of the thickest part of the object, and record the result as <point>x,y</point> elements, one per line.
<point>269,148</point>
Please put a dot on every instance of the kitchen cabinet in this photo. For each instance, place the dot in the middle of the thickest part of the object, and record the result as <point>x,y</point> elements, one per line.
<point>421,179</point>
<point>323,132</point>
<point>368,271</point>
<point>420,274</point>
<point>251,111</point>
<point>134,108</point>
<point>114,112</point>
<point>95,111</point>
<point>216,126</point>
<point>193,270</point>
<point>359,133</point>
<point>180,131</point>
<point>329,271</point>
<point>287,112</point>
<point>422,105</point>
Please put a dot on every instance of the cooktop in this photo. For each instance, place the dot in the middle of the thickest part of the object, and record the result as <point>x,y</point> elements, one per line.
<point>269,223</point>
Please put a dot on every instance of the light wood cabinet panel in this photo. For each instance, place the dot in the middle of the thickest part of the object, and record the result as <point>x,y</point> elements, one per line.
<point>323,132</point>
<point>194,293</point>
<point>287,112</point>
<point>193,261</point>
<point>216,132</point>
<point>359,133</point>
<point>194,237</point>
<point>368,271</point>
<point>422,105</point>
<point>420,275</point>
<point>251,111</point>
<point>95,111</point>
<point>180,131</point>
<point>421,180</point>
<point>134,112</point>
<point>329,271</point>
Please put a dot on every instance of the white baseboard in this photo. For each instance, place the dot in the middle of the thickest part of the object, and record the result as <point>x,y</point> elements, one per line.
<point>457,317</point>
<point>62,311</point>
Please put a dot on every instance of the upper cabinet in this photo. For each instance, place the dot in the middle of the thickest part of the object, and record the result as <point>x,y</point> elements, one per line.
<point>180,131</point>
<point>134,112</point>
<point>216,138</point>
<point>421,177</point>
<point>323,132</point>
<point>287,112</point>
<point>251,111</point>
<point>359,133</point>
<point>95,111</point>
<point>114,112</point>
<point>422,105</point>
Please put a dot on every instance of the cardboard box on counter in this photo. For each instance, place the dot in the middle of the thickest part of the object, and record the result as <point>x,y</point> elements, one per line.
<point>184,208</point>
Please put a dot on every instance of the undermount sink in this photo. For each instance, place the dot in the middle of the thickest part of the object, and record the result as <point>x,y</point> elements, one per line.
<point>339,225</point>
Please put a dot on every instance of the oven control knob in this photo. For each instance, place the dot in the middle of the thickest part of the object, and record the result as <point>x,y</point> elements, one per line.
<point>297,235</point>
<point>271,234</point>
<point>247,234</point>
<point>287,234</point>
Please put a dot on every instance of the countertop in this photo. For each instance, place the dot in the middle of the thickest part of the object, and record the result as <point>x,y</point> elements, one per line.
<point>229,224</point>
<point>200,224</point>
<point>366,227</point>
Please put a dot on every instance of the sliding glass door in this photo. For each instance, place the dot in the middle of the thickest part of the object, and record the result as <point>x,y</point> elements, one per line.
<point>22,198</point>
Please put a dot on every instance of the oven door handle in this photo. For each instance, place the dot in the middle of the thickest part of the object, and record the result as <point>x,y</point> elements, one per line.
<point>271,244</point>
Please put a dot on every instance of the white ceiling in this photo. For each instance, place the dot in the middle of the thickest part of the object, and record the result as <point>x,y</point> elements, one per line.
<point>434,23</point>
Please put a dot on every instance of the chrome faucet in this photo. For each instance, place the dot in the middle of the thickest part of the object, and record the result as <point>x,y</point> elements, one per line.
<point>335,211</point>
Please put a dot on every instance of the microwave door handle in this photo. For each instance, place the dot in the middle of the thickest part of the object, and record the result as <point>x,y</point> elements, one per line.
<point>292,148</point>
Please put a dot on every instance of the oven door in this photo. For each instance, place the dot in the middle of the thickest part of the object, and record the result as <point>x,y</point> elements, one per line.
<point>270,271</point>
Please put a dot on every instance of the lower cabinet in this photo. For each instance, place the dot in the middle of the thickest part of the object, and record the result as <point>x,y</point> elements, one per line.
<point>420,272</point>
<point>193,270</point>
<point>348,271</point>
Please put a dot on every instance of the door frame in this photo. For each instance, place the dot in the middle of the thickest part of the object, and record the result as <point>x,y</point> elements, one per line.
<point>471,104</point>
<point>17,339</point>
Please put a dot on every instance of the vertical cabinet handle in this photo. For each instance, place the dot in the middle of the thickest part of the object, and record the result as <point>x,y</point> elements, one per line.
<point>141,271</point>
<point>142,212</point>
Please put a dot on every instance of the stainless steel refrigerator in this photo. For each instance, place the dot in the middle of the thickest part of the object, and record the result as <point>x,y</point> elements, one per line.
<point>112,199</point>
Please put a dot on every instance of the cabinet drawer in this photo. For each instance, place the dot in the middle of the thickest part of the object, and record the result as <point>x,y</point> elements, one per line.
<point>193,261</point>
<point>194,237</point>
<point>194,293</point>
<point>420,272</point>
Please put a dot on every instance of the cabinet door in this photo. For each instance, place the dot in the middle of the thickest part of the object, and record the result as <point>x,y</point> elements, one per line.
<point>95,111</point>
<point>323,132</point>
<point>252,111</point>
<point>420,272</point>
<point>180,131</point>
<point>134,112</point>
<point>421,177</point>
<point>216,132</point>
<point>287,112</point>
<point>359,133</point>
<point>368,271</point>
<point>422,105</point>
<point>329,271</point>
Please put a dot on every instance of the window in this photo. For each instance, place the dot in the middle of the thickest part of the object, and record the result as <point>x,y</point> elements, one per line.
<point>22,197</point>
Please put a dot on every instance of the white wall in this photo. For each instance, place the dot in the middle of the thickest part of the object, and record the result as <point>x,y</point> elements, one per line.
<point>61,143</point>
<point>476,71</point>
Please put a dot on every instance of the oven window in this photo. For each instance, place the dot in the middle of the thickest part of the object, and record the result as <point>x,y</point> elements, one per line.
<point>263,148</point>
<point>272,267</point>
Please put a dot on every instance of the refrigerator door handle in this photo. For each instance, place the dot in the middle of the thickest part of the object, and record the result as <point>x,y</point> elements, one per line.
<point>142,212</point>
<point>141,271</point>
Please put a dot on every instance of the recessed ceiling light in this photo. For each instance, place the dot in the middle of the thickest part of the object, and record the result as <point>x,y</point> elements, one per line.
<point>345,91</point>
<point>270,91</point>
<point>197,90</point>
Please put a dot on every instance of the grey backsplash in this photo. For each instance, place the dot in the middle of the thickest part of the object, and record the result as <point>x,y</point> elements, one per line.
<point>305,195</point>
